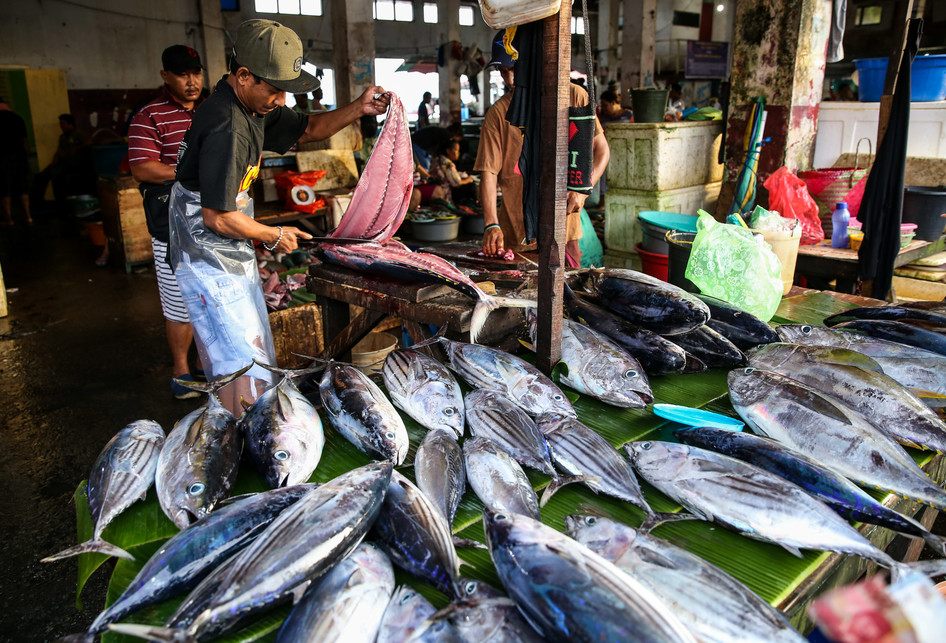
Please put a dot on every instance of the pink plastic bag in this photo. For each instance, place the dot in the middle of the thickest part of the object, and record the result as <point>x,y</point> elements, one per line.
<point>789,195</point>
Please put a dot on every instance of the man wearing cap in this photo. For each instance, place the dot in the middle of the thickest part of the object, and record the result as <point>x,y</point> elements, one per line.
<point>497,160</point>
<point>212,226</point>
<point>154,136</point>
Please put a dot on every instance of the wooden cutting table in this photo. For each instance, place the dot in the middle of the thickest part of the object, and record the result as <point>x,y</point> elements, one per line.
<point>821,263</point>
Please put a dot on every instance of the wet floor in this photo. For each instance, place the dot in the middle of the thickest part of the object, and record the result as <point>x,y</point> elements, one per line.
<point>82,353</point>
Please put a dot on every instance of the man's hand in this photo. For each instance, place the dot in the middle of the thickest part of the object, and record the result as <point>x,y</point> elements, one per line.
<point>374,101</point>
<point>289,241</point>
<point>575,201</point>
<point>493,242</point>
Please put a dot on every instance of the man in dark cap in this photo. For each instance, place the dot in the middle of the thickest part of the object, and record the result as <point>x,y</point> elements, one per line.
<point>154,137</point>
<point>497,160</point>
<point>212,226</point>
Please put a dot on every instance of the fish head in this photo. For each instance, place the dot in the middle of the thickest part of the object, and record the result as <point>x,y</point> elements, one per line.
<point>622,380</point>
<point>192,503</point>
<point>406,609</point>
<point>442,406</point>
<point>803,334</point>
<point>656,460</point>
<point>474,590</point>
<point>748,385</point>
<point>603,535</point>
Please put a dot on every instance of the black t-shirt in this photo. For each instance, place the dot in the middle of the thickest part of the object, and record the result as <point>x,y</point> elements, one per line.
<point>431,138</point>
<point>220,154</point>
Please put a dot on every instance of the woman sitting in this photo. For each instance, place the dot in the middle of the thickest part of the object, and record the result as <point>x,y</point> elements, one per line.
<point>458,186</point>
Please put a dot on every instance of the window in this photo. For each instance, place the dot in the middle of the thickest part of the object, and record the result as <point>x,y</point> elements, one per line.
<point>399,10</point>
<point>430,13</point>
<point>578,26</point>
<point>290,7</point>
<point>686,19</point>
<point>466,16</point>
<point>866,16</point>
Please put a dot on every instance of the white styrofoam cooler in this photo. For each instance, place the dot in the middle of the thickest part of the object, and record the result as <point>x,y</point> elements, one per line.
<point>621,228</point>
<point>664,156</point>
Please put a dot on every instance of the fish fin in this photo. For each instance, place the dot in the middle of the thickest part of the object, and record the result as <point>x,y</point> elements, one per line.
<point>433,340</point>
<point>193,431</point>
<point>693,364</point>
<point>467,543</point>
<point>528,345</point>
<point>294,373</point>
<point>481,310</point>
<point>558,483</point>
<point>794,551</point>
<point>297,592</point>
<point>152,632</point>
<point>88,547</point>
<point>931,568</point>
<point>654,520</point>
<point>937,543</point>
<point>246,405</point>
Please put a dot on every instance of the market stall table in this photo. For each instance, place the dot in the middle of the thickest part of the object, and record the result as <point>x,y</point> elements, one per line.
<point>274,214</point>
<point>786,581</point>
<point>824,263</point>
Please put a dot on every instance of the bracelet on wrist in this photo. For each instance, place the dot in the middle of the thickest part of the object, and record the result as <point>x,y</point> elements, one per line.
<point>489,226</point>
<point>275,243</point>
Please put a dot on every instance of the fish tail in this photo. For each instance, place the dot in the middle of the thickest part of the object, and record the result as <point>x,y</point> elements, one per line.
<point>937,543</point>
<point>152,632</point>
<point>96,546</point>
<point>293,373</point>
<point>433,340</point>
<point>557,483</point>
<point>486,304</point>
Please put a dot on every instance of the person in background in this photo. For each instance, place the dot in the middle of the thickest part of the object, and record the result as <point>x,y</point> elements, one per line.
<point>212,225</point>
<point>611,111</point>
<point>497,161</point>
<point>423,116</point>
<point>14,163</point>
<point>154,137</point>
<point>70,171</point>
<point>675,105</point>
<point>458,187</point>
<point>302,103</point>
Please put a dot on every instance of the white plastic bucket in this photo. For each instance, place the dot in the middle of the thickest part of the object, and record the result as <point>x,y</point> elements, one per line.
<point>500,14</point>
<point>368,354</point>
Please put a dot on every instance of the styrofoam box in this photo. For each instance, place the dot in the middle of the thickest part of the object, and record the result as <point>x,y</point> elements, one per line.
<point>664,156</point>
<point>621,228</point>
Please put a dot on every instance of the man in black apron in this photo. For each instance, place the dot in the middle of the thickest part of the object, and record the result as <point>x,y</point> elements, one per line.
<point>212,226</point>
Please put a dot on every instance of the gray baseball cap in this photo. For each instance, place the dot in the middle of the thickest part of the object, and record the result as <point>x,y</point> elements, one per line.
<point>274,53</point>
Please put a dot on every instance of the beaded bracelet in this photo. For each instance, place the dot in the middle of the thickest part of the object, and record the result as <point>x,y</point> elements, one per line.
<point>491,225</point>
<point>276,243</point>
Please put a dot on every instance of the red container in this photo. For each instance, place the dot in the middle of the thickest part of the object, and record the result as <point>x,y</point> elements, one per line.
<point>653,264</point>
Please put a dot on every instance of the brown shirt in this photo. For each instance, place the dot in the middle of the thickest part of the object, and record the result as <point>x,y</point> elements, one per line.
<point>499,150</point>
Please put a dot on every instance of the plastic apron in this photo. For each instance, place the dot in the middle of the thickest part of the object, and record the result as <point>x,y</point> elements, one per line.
<point>221,288</point>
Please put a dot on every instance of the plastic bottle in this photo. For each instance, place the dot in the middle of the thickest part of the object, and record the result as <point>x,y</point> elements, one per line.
<point>839,221</point>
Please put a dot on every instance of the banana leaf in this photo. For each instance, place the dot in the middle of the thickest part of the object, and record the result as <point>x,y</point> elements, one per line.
<point>767,569</point>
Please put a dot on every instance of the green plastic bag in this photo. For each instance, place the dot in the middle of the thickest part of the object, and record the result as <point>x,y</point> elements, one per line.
<point>727,262</point>
<point>592,254</point>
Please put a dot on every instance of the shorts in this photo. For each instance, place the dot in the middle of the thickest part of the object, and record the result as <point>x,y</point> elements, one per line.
<point>172,304</point>
<point>228,314</point>
<point>426,191</point>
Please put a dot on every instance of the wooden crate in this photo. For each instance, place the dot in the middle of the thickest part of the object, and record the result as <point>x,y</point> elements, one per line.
<point>129,241</point>
<point>296,330</point>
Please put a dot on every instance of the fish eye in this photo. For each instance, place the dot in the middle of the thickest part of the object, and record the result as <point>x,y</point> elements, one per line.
<point>499,517</point>
<point>630,373</point>
<point>591,520</point>
<point>449,411</point>
<point>748,370</point>
<point>558,397</point>
<point>281,455</point>
<point>196,488</point>
<point>470,587</point>
<point>389,435</point>
<point>646,446</point>
<point>806,329</point>
<point>407,596</point>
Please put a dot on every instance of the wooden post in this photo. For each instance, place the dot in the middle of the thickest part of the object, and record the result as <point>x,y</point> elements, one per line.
<point>354,48</point>
<point>553,165</point>
<point>638,44</point>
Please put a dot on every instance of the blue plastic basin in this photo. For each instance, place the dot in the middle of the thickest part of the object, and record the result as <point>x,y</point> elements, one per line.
<point>655,225</point>
<point>927,78</point>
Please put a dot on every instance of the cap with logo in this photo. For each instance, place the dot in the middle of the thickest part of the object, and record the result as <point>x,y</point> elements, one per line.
<point>499,56</point>
<point>274,53</point>
<point>180,58</point>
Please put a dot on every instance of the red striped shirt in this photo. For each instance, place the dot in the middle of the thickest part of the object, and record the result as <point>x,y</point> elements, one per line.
<point>157,130</point>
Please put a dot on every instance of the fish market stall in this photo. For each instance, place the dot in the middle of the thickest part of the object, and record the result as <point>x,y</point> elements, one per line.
<point>779,577</point>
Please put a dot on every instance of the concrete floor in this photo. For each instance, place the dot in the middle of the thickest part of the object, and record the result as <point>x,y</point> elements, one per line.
<point>82,353</point>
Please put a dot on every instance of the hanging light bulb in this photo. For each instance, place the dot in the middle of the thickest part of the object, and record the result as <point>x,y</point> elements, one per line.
<point>720,7</point>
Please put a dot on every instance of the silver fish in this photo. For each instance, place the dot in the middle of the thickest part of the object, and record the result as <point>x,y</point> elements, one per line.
<point>580,451</point>
<point>283,435</point>
<point>199,463</point>
<point>439,471</point>
<point>883,401</point>
<point>496,370</point>
<point>568,592</point>
<point>913,367</point>
<point>345,605</point>
<point>747,499</point>
<point>120,476</point>
<point>359,411</point>
<point>712,604</point>
<point>299,546</point>
<point>496,620</point>
<point>403,615</point>
<point>598,367</point>
<point>416,535</point>
<point>497,478</point>
<point>423,388</point>
<point>494,416</point>
<point>828,432</point>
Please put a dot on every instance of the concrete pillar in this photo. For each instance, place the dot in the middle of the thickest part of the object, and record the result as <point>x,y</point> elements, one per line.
<point>448,19</point>
<point>638,43</point>
<point>778,54</point>
<point>216,49</point>
<point>353,44</point>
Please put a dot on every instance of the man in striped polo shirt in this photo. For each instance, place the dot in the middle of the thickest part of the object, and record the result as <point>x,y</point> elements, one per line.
<point>154,136</point>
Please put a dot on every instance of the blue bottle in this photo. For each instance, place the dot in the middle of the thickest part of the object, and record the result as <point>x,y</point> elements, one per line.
<point>839,221</point>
